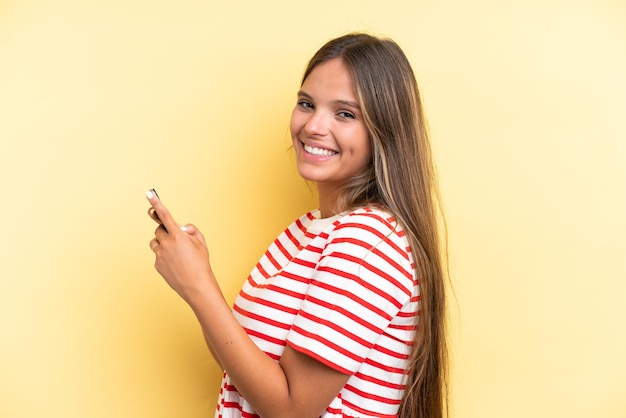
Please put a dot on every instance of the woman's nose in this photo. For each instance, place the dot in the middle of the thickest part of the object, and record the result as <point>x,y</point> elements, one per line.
<point>317,124</point>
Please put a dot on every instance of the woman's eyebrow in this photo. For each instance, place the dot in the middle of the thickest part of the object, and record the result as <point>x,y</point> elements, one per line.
<point>347,103</point>
<point>303,94</point>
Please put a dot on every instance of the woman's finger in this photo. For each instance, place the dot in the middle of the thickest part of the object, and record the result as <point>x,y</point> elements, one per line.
<point>194,232</point>
<point>155,218</point>
<point>152,214</point>
<point>160,233</point>
<point>161,211</point>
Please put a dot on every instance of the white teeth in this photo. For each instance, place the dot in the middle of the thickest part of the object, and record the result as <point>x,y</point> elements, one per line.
<point>319,151</point>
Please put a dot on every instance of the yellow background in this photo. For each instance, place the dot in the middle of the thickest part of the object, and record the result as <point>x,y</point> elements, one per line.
<point>102,100</point>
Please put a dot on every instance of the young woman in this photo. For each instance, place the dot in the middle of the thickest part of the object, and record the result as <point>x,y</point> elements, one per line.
<point>344,314</point>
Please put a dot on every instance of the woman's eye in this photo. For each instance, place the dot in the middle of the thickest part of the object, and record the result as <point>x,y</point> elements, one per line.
<point>305,104</point>
<point>346,115</point>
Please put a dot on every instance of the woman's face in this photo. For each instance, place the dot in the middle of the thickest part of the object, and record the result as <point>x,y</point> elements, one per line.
<point>327,127</point>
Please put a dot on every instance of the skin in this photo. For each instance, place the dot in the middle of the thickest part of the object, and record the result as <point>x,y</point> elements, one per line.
<point>326,117</point>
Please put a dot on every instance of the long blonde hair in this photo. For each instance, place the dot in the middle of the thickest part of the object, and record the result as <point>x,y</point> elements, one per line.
<point>401,178</point>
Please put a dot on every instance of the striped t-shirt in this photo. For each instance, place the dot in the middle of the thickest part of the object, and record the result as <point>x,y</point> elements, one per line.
<point>343,291</point>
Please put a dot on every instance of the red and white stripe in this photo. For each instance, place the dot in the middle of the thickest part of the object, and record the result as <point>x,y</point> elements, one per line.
<point>341,290</point>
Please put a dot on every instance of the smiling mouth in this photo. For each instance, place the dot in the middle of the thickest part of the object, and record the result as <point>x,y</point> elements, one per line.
<point>318,151</point>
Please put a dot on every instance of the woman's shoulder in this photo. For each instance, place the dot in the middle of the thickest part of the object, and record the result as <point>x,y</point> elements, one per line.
<point>366,220</point>
<point>368,228</point>
<point>371,216</point>
<point>370,224</point>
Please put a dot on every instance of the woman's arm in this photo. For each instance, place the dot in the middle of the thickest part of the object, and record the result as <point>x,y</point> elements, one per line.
<point>296,386</point>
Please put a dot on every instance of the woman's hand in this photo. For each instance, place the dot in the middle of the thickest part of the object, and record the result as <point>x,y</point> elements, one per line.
<point>182,257</point>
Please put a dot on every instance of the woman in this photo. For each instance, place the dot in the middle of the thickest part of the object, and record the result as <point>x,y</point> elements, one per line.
<point>327,322</point>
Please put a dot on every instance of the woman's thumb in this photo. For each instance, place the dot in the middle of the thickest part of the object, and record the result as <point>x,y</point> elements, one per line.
<point>193,231</point>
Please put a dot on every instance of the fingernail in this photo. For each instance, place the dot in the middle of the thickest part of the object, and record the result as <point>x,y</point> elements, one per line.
<point>183,228</point>
<point>151,193</point>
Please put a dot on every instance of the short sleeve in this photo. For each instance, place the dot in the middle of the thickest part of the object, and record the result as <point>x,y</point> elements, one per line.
<point>363,279</point>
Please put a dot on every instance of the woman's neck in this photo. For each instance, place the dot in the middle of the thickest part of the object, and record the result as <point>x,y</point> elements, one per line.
<point>331,204</point>
<point>327,198</point>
